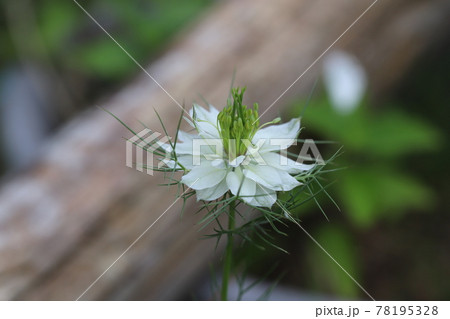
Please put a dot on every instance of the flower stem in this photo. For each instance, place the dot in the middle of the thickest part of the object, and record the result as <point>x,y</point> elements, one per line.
<point>228,253</point>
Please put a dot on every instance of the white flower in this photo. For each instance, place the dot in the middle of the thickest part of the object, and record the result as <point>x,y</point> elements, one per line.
<point>345,81</point>
<point>254,170</point>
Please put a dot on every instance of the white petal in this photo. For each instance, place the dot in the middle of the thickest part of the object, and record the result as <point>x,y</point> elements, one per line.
<point>277,137</point>
<point>169,163</point>
<point>264,197</point>
<point>205,121</point>
<point>204,176</point>
<point>345,80</point>
<point>270,177</point>
<point>213,111</point>
<point>189,120</point>
<point>250,192</point>
<point>267,176</point>
<point>237,161</point>
<point>283,163</point>
<point>166,147</point>
<point>234,182</point>
<point>186,160</point>
<point>184,148</point>
<point>185,137</point>
<point>189,161</point>
<point>184,143</point>
<point>238,184</point>
<point>210,146</point>
<point>188,144</point>
<point>219,163</point>
<point>213,193</point>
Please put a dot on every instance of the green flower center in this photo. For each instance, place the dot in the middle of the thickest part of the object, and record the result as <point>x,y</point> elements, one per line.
<point>237,124</point>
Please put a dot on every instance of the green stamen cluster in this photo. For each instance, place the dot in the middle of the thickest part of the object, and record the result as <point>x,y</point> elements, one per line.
<point>237,124</point>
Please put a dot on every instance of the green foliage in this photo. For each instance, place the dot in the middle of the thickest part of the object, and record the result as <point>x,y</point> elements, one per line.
<point>58,21</point>
<point>374,187</point>
<point>376,146</point>
<point>103,60</point>
<point>371,194</point>
<point>389,133</point>
<point>72,38</point>
<point>325,274</point>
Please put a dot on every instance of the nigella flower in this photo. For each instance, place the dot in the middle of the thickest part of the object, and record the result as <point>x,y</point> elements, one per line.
<point>228,158</point>
<point>230,151</point>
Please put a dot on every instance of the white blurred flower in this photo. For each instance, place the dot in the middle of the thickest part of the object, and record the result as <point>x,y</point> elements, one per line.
<point>231,152</point>
<point>345,81</point>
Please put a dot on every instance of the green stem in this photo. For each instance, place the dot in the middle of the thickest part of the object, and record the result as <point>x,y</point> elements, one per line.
<point>228,253</point>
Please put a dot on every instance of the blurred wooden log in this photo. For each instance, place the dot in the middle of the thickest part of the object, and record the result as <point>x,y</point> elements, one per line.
<point>67,219</point>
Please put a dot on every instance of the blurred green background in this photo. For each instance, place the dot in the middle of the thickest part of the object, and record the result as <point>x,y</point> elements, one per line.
<point>393,192</point>
<point>392,230</point>
<point>66,61</point>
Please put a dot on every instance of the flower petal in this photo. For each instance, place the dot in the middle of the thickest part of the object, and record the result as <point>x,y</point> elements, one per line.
<point>187,144</point>
<point>205,121</point>
<point>267,176</point>
<point>213,193</point>
<point>345,81</point>
<point>189,161</point>
<point>186,160</point>
<point>271,178</point>
<point>219,163</point>
<point>250,192</point>
<point>264,197</point>
<point>238,184</point>
<point>237,161</point>
<point>283,163</point>
<point>184,143</point>
<point>277,137</point>
<point>204,176</point>
<point>169,163</point>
